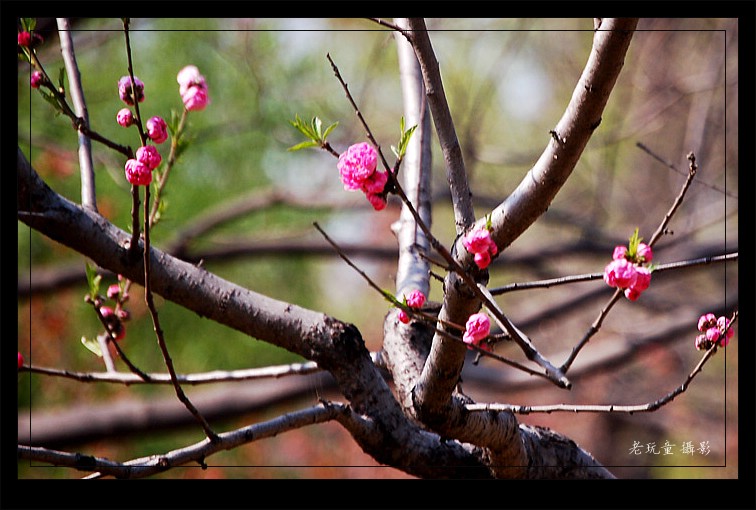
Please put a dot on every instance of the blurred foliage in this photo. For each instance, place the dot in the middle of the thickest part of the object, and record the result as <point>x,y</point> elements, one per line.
<point>507,82</point>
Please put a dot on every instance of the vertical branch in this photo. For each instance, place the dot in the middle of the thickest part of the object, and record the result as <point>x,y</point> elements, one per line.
<point>412,268</point>
<point>464,215</point>
<point>86,168</point>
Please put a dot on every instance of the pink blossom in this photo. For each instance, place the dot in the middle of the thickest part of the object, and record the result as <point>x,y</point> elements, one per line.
<point>24,38</point>
<point>476,329</point>
<point>124,90</point>
<point>416,299</point>
<point>123,314</point>
<point>36,79</point>
<point>479,242</point>
<point>620,273</point>
<point>20,360</point>
<point>403,317</point>
<point>702,343</point>
<point>138,173</point>
<point>723,323</point>
<point>356,165</point>
<point>113,291</point>
<point>124,117</point>
<point>644,253</point>
<point>149,156</point>
<point>706,321</point>
<point>157,129</point>
<point>619,252</point>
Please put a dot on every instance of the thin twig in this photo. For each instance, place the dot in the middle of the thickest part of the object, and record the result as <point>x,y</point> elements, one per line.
<point>563,280</point>
<point>630,409</point>
<point>212,436</point>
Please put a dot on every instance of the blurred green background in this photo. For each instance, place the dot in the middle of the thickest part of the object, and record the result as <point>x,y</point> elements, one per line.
<point>507,82</point>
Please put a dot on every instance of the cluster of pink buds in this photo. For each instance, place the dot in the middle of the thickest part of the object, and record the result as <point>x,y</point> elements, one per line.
<point>358,169</point>
<point>627,270</point>
<point>192,88</point>
<point>115,318</point>
<point>477,328</point>
<point>713,331</point>
<point>139,170</point>
<point>479,243</point>
<point>415,300</point>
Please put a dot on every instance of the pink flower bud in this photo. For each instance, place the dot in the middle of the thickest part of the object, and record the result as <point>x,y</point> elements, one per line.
<point>356,165</point>
<point>378,201</point>
<point>723,323</point>
<point>123,314</point>
<point>641,283</point>
<point>644,253</point>
<point>149,156</point>
<point>482,260</point>
<point>138,173</point>
<point>192,88</point>
<point>712,334</point>
<point>189,76</point>
<point>416,299</point>
<point>476,329</point>
<point>112,322</point>
<point>706,321</point>
<point>157,129</point>
<point>702,343</point>
<point>403,317</point>
<point>619,252</point>
<point>36,79</point>
<point>124,117</point>
<point>113,291</point>
<point>375,183</point>
<point>195,98</point>
<point>124,90</point>
<point>24,38</point>
<point>20,360</point>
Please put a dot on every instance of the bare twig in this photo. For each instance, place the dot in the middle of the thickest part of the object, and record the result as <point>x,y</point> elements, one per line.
<point>618,293</point>
<point>630,409</point>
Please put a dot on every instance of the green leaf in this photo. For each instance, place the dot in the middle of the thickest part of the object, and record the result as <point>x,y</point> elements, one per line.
<point>329,129</point>
<point>303,128</point>
<point>404,139</point>
<point>317,125</point>
<point>303,145</point>
<point>92,345</point>
<point>632,247</point>
<point>93,279</point>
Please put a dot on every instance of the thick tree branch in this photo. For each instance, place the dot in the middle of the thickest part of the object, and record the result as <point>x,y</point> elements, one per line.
<point>570,136</point>
<point>335,346</point>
